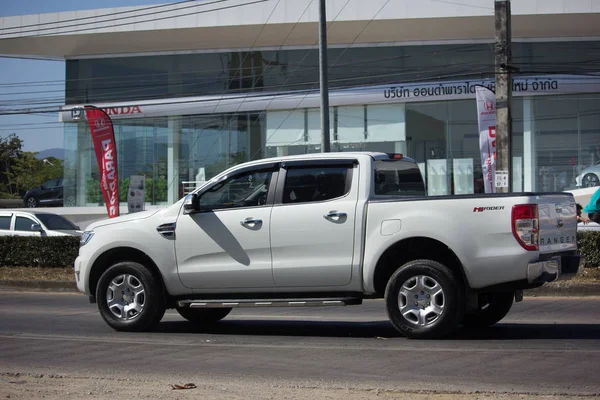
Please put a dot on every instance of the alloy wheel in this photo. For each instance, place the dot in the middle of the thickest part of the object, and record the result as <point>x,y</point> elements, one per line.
<point>590,180</point>
<point>421,300</point>
<point>126,297</point>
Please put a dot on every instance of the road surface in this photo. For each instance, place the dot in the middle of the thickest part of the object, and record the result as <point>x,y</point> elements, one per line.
<point>544,346</point>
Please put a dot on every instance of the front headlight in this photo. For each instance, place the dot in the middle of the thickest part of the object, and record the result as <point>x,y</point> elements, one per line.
<point>85,237</point>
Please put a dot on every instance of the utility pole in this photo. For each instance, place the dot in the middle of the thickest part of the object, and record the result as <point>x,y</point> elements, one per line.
<point>324,83</point>
<point>503,96</point>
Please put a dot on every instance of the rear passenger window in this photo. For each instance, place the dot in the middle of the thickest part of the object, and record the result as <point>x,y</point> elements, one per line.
<point>397,178</point>
<point>5,222</point>
<point>303,185</point>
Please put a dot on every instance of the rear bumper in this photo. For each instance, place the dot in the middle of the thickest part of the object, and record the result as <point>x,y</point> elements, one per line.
<point>554,269</point>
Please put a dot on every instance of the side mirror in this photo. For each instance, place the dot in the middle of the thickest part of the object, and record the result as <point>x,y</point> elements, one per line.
<point>191,203</point>
<point>36,228</point>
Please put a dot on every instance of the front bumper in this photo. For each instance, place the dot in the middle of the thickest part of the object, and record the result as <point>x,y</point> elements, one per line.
<point>81,274</point>
<point>555,268</point>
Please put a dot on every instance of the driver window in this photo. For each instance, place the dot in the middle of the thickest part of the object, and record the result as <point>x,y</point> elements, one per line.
<point>24,224</point>
<point>245,190</point>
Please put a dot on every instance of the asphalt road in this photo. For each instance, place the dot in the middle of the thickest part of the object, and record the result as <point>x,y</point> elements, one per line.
<point>545,345</point>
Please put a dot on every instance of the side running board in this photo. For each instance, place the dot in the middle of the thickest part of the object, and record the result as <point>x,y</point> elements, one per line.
<point>251,303</point>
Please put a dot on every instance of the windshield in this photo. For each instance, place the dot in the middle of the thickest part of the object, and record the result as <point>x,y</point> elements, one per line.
<point>396,177</point>
<point>55,222</point>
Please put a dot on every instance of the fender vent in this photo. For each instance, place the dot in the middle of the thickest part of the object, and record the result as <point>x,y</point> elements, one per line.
<point>167,230</point>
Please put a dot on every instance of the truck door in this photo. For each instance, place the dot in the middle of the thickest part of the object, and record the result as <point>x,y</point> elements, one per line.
<point>227,244</point>
<point>313,223</point>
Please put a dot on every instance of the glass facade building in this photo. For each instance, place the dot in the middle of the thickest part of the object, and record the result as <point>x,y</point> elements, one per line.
<point>180,119</point>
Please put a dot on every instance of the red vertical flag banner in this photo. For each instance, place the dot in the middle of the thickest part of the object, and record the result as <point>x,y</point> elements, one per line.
<point>103,138</point>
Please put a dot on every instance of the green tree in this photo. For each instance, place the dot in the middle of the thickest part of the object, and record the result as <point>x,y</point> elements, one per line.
<point>29,172</point>
<point>156,189</point>
<point>52,168</point>
<point>10,151</point>
<point>21,170</point>
<point>93,192</point>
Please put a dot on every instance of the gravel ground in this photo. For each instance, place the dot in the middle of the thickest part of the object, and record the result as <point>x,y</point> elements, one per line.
<point>59,387</point>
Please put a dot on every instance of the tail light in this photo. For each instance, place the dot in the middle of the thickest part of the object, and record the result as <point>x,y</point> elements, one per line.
<point>525,225</point>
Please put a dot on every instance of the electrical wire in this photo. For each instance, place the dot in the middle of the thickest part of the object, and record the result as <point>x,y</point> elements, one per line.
<point>290,86</point>
<point>287,80</point>
<point>96,16</point>
<point>467,48</point>
<point>483,72</point>
<point>136,22</point>
<point>242,63</point>
<point>557,46</point>
<point>328,68</point>
<point>250,95</point>
<point>211,79</point>
<point>57,107</point>
<point>460,4</point>
<point>353,43</point>
<point>151,121</point>
<point>299,67</point>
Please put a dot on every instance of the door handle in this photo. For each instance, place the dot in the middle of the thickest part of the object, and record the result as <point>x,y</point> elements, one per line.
<point>335,215</point>
<point>251,221</point>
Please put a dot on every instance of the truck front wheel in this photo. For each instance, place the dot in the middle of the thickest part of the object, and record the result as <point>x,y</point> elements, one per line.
<point>424,300</point>
<point>130,298</point>
<point>492,307</point>
<point>203,315</point>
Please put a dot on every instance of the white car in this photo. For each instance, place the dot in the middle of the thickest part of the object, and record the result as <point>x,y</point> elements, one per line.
<point>25,223</point>
<point>329,229</point>
<point>589,177</point>
<point>590,226</point>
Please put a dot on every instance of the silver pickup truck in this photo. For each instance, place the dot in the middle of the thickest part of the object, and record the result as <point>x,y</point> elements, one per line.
<point>325,230</point>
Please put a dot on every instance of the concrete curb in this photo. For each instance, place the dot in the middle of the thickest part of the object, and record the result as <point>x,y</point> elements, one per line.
<point>572,289</point>
<point>38,286</point>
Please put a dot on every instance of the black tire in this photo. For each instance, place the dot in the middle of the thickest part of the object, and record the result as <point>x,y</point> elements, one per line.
<point>590,180</point>
<point>203,315</point>
<point>31,202</point>
<point>434,324</point>
<point>492,307</point>
<point>153,298</point>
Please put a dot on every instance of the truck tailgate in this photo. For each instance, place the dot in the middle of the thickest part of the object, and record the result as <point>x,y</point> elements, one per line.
<point>557,223</point>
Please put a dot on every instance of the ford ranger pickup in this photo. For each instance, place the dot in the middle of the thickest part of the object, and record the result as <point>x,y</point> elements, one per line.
<point>329,230</point>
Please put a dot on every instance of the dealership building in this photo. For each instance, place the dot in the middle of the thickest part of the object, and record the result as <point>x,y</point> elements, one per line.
<point>196,87</point>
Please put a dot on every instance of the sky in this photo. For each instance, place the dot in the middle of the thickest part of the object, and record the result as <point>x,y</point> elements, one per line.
<point>41,132</point>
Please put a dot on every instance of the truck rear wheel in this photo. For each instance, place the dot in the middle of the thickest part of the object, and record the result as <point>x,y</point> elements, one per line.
<point>424,300</point>
<point>130,298</point>
<point>492,307</point>
<point>203,315</point>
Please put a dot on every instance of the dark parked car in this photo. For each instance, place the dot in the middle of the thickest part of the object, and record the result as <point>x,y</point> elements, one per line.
<point>48,194</point>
